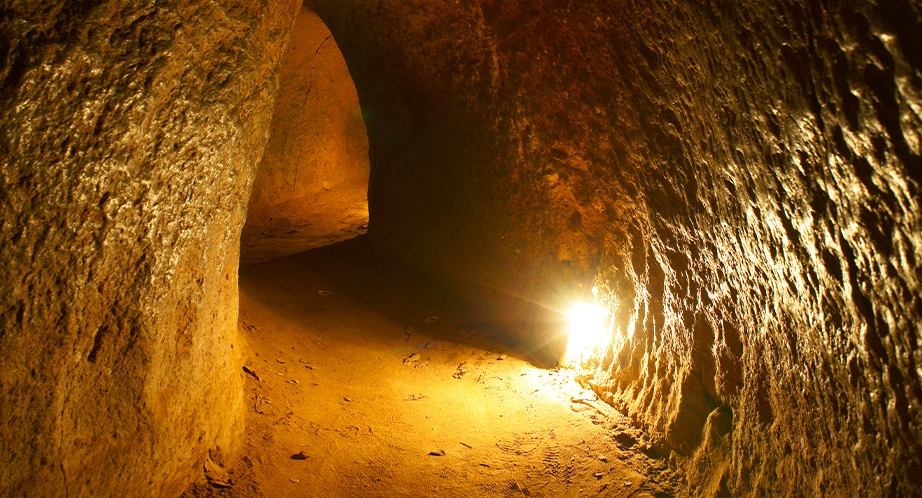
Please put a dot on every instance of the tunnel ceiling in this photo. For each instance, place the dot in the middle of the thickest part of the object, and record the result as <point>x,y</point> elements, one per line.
<point>741,181</point>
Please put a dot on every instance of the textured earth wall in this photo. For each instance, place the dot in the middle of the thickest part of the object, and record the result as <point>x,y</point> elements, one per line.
<point>128,135</point>
<point>312,183</point>
<point>741,180</point>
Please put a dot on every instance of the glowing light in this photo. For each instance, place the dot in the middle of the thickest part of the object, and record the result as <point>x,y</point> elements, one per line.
<point>587,328</point>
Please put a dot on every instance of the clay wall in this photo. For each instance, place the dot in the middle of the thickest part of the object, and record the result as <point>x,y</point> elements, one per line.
<point>741,180</point>
<point>128,136</point>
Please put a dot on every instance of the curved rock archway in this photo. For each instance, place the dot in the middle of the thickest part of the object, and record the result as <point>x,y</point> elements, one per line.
<point>311,187</point>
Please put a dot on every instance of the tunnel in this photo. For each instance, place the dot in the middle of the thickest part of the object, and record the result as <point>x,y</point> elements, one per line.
<point>460,248</point>
<point>311,188</point>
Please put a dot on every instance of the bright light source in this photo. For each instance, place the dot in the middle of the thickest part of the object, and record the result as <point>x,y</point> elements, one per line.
<point>587,329</point>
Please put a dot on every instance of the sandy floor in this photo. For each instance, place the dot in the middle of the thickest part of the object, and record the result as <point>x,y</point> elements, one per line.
<point>367,380</point>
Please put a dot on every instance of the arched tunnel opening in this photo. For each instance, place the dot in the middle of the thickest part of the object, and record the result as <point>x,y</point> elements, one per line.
<point>613,248</point>
<point>311,186</point>
<point>365,363</point>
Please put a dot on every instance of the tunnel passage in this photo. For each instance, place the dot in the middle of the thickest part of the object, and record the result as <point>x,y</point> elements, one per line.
<point>311,186</point>
<point>740,182</point>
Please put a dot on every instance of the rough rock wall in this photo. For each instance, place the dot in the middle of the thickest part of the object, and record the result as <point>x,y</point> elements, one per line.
<point>128,135</point>
<point>313,177</point>
<point>741,179</point>
<point>770,274</point>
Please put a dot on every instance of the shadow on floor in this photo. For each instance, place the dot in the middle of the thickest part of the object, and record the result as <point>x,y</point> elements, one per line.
<point>356,269</point>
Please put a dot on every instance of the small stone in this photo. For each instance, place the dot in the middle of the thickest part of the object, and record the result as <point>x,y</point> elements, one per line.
<point>251,372</point>
<point>323,293</point>
<point>299,456</point>
<point>216,475</point>
<point>437,453</point>
<point>431,319</point>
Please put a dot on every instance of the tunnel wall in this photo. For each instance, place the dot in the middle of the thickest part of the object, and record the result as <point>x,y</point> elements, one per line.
<point>741,180</point>
<point>311,186</point>
<point>128,136</point>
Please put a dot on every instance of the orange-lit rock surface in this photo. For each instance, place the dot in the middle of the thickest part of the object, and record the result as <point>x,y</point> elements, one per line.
<point>311,187</point>
<point>129,133</point>
<point>741,181</point>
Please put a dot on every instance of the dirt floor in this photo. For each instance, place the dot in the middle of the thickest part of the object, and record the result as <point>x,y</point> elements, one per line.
<point>365,379</point>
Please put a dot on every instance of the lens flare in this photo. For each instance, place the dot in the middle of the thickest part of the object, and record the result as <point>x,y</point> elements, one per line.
<point>587,332</point>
